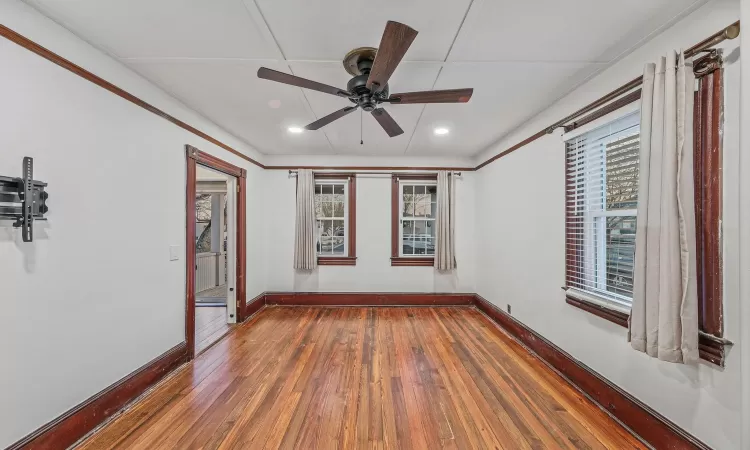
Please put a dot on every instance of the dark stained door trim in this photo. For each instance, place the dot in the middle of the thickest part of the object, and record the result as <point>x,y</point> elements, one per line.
<point>195,157</point>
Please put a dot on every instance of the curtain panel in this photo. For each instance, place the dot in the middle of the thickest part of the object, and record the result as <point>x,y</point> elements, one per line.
<point>445,250</point>
<point>664,318</point>
<point>305,254</point>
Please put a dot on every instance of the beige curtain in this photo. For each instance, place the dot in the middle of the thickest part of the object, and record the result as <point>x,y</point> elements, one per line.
<point>664,318</point>
<point>445,225</point>
<point>305,257</point>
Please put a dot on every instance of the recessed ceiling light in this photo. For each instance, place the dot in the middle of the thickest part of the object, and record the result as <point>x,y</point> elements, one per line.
<point>295,130</point>
<point>441,131</point>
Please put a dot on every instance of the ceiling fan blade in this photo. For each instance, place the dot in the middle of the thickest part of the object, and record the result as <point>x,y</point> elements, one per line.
<point>396,40</point>
<point>281,77</point>
<point>386,121</point>
<point>323,121</point>
<point>446,96</point>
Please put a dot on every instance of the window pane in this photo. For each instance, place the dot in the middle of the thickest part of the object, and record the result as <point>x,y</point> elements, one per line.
<point>622,172</point>
<point>337,246</point>
<point>318,206</point>
<point>408,237</point>
<point>620,254</point>
<point>338,209</point>
<point>330,204</point>
<point>601,202</point>
<point>419,190</point>
<point>338,228</point>
<point>408,209</point>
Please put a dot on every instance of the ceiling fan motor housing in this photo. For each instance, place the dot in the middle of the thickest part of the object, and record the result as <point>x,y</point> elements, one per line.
<point>364,97</point>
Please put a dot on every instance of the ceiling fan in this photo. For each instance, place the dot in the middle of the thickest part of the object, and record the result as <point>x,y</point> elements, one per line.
<point>369,88</point>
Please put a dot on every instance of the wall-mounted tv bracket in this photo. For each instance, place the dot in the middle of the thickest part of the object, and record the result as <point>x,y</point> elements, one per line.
<point>23,200</point>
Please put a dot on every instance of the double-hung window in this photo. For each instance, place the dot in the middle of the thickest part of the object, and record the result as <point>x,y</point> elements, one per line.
<point>334,218</point>
<point>601,209</point>
<point>414,213</point>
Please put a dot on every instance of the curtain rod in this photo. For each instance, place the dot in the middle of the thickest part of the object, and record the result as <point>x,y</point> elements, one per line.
<point>294,172</point>
<point>729,32</point>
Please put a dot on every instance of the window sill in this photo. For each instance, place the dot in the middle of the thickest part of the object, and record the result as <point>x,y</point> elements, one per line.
<point>407,261</point>
<point>337,261</point>
<point>614,316</point>
<point>710,348</point>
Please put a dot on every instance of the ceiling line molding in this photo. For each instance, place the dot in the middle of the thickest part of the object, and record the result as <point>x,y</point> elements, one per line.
<point>58,60</point>
<point>53,57</point>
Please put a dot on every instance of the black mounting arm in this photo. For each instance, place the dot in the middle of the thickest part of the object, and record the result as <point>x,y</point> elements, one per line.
<point>23,200</point>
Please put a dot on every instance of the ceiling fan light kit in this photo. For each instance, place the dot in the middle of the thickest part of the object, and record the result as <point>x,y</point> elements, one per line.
<point>371,69</point>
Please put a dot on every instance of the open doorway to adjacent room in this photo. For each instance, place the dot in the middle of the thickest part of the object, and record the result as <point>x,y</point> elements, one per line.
<point>215,239</point>
<point>214,255</point>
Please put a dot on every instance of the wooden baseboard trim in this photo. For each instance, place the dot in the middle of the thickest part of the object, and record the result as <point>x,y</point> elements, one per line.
<point>77,422</point>
<point>368,299</point>
<point>649,425</point>
<point>254,305</point>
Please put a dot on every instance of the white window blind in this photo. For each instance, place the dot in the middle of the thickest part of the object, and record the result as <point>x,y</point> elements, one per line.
<point>601,208</point>
<point>331,212</point>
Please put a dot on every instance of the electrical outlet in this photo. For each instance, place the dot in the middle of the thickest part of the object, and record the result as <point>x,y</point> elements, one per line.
<point>508,308</point>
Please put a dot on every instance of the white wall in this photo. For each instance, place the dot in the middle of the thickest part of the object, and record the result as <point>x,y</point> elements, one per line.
<point>744,227</point>
<point>94,297</point>
<point>373,272</point>
<point>520,218</point>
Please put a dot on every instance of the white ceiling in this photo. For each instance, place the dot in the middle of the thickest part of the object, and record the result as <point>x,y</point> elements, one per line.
<point>519,56</point>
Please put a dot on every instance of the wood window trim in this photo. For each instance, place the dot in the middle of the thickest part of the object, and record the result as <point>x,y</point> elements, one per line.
<point>396,259</point>
<point>351,258</point>
<point>707,165</point>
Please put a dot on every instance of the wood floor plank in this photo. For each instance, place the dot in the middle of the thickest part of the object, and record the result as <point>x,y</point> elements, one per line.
<point>375,378</point>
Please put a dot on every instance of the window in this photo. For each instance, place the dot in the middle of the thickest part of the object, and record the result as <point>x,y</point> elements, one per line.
<point>335,199</point>
<point>414,209</point>
<point>601,209</point>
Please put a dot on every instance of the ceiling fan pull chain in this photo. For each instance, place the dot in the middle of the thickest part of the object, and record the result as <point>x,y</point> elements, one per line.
<point>361,139</point>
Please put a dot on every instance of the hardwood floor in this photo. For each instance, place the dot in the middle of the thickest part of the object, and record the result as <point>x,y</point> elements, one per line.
<point>210,326</point>
<point>411,378</point>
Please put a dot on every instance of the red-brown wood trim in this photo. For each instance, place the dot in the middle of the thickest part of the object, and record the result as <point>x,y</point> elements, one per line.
<point>707,165</point>
<point>77,422</point>
<point>337,260</point>
<point>617,317</point>
<point>194,157</point>
<point>351,258</point>
<point>633,97</point>
<point>648,424</point>
<point>385,169</point>
<point>397,261</point>
<point>629,86</point>
<point>708,350</point>
<point>32,46</point>
<point>368,299</point>
<point>254,305</point>
<point>213,162</point>
<point>241,248</point>
<point>394,217</point>
<point>190,255</point>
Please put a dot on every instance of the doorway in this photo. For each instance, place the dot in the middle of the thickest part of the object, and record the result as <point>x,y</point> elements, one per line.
<point>215,249</point>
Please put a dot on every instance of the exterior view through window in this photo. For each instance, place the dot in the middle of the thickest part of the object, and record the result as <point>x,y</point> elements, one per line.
<point>601,208</point>
<point>331,208</point>
<point>418,211</point>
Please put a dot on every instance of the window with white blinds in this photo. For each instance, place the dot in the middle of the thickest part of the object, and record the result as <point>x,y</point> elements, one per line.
<point>601,208</point>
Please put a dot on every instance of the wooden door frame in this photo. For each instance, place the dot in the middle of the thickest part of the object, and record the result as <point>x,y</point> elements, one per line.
<point>195,157</point>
